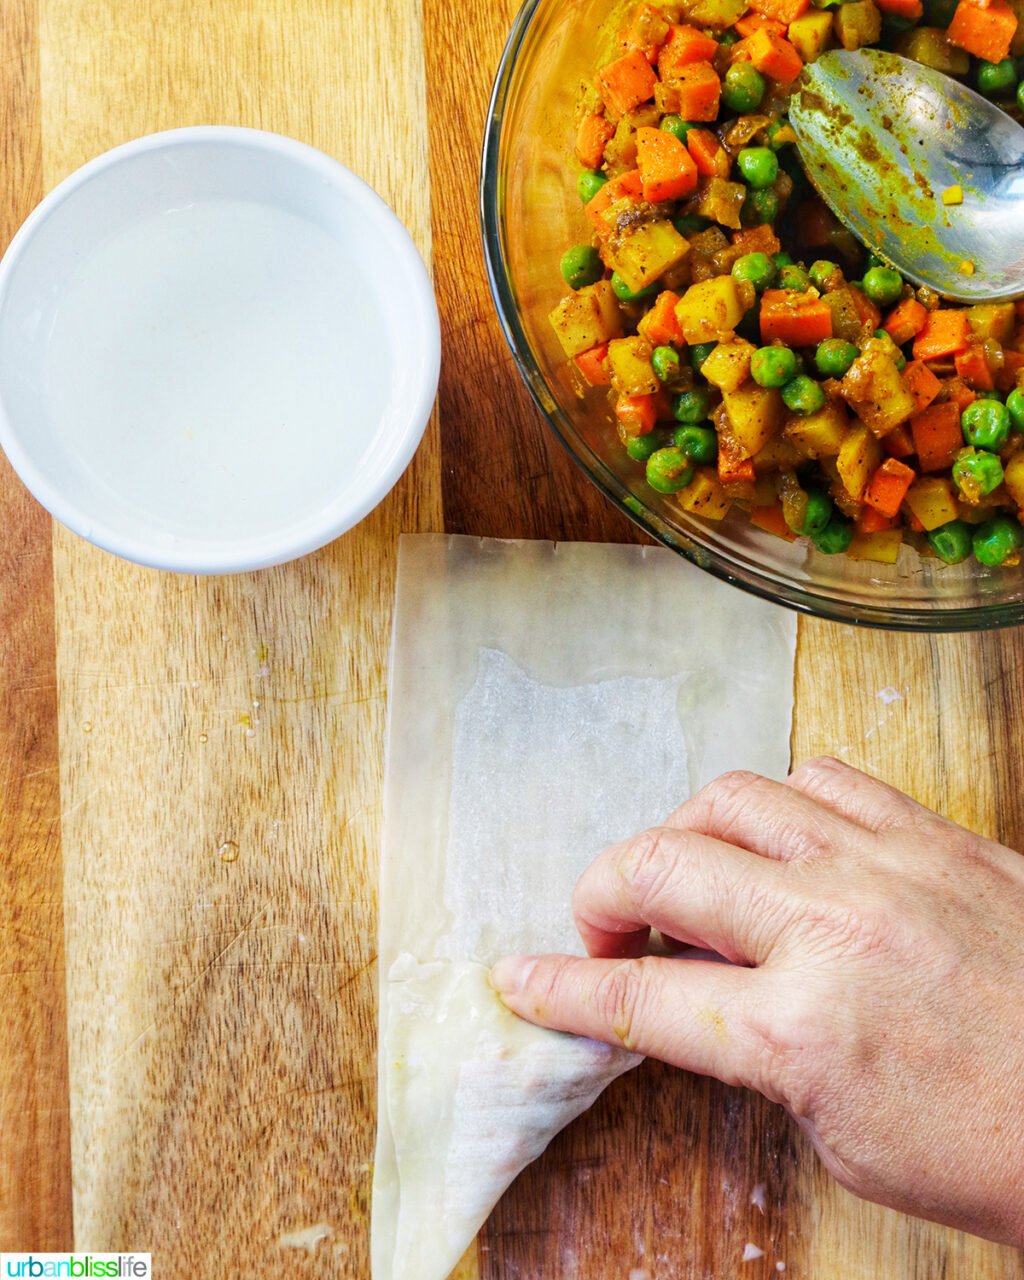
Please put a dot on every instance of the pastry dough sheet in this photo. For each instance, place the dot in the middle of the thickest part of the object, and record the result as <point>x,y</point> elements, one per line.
<point>545,700</point>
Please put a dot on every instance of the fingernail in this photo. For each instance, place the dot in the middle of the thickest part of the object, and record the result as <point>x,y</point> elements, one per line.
<point>510,975</point>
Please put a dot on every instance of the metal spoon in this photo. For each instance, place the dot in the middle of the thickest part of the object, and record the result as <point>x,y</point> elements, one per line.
<point>882,138</point>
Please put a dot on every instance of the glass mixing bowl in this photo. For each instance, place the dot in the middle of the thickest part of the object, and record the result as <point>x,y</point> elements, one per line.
<point>531,214</point>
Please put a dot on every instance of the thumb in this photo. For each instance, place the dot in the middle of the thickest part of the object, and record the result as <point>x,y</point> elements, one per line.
<point>696,1014</point>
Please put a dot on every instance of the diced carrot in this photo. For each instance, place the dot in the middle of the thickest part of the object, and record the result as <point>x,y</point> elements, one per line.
<point>1013,362</point>
<point>637,414</point>
<point>666,167</point>
<point>684,45</point>
<point>698,89</point>
<point>784,11</point>
<point>985,30</point>
<point>912,9</point>
<point>760,239</point>
<point>733,466</point>
<point>740,51</point>
<point>944,334</point>
<point>814,224</point>
<point>710,157</point>
<point>797,319</point>
<point>871,521</point>
<point>905,321</point>
<point>660,326</point>
<point>774,56</point>
<point>591,136</point>
<point>959,393</point>
<point>898,443</point>
<point>627,186</point>
<point>867,312</point>
<point>626,82</point>
<point>888,487</point>
<point>972,366</point>
<point>758,22</point>
<point>591,365</point>
<point>937,436</point>
<point>921,383</point>
<point>772,520</point>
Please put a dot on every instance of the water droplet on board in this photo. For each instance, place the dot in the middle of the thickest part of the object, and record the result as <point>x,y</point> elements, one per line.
<point>228,851</point>
<point>203,738</point>
<point>87,726</point>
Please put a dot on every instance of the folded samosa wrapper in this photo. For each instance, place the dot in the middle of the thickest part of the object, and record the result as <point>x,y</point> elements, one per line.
<point>544,701</point>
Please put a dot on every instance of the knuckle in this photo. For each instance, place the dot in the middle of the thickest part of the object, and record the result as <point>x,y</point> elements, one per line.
<point>648,864</point>
<point>823,775</point>
<point>621,999</point>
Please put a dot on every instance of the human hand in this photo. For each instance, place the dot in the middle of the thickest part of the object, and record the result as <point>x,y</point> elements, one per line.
<point>876,987</point>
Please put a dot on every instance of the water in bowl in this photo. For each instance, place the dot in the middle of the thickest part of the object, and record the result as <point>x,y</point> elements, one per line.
<point>251,372</point>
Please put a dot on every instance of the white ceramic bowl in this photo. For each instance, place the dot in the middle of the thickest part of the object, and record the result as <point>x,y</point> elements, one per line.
<point>218,350</point>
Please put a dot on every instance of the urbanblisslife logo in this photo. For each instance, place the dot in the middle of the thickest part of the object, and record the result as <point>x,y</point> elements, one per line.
<point>76,1266</point>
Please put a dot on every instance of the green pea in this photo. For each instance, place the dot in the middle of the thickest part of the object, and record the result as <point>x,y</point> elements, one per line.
<point>803,395</point>
<point>728,38</point>
<point>773,366</point>
<point>997,79</point>
<point>665,363</point>
<point>996,540</point>
<point>581,265</point>
<point>743,88</point>
<point>834,357</point>
<point>758,166</point>
<point>758,268</point>
<point>894,25</point>
<point>688,223</point>
<point>836,536</point>
<point>698,443</point>
<point>624,293</point>
<point>640,448</point>
<point>794,277</point>
<point>821,273</point>
<point>588,184</point>
<point>939,13</point>
<point>986,424</point>
<point>951,542</point>
<point>1015,405</point>
<point>759,207</point>
<point>883,285</point>
<point>669,470</point>
<point>977,474</point>
<point>891,349</point>
<point>782,259</point>
<point>989,395</point>
<point>875,261</point>
<point>1020,95</point>
<point>817,514</point>
<point>773,131</point>
<point>676,126</point>
<point>691,406</point>
<point>699,352</point>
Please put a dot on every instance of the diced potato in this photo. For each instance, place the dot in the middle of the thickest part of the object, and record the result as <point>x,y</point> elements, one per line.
<point>875,391</point>
<point>704,495</point>
<point>1013,478</point>
<point>992,320</point>
<point>644,251</point>
<point>882,547</point>
<point>755,415</point>
<point>720,201</point>
<point>779,454</point>
<point>859,456</point>
<point>710,311</point>
<point>846,321</point>
<point>586,318</point>
<point>810,33</point>
<point>718,14</point>
<point>620,149</point>
<point>933,501</point>
<point>630,362</point>
<point>728,366</point>
<point>858,24</point>
<point>820,434</point>
<point>931,47</point>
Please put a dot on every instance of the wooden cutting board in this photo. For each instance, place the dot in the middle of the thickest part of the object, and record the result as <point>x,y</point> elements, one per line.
<point>191,768</point>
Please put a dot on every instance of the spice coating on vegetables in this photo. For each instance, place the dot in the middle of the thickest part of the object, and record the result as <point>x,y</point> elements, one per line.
<point>756,357</point>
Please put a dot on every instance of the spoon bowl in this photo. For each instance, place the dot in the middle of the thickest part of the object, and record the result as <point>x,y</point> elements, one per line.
<point>883,139</point>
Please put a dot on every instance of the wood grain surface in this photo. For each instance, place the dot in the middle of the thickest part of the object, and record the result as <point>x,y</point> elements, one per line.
<point>221,751</point>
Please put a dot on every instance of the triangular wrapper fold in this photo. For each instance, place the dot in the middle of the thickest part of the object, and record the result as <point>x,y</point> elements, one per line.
<point>543,702</point>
